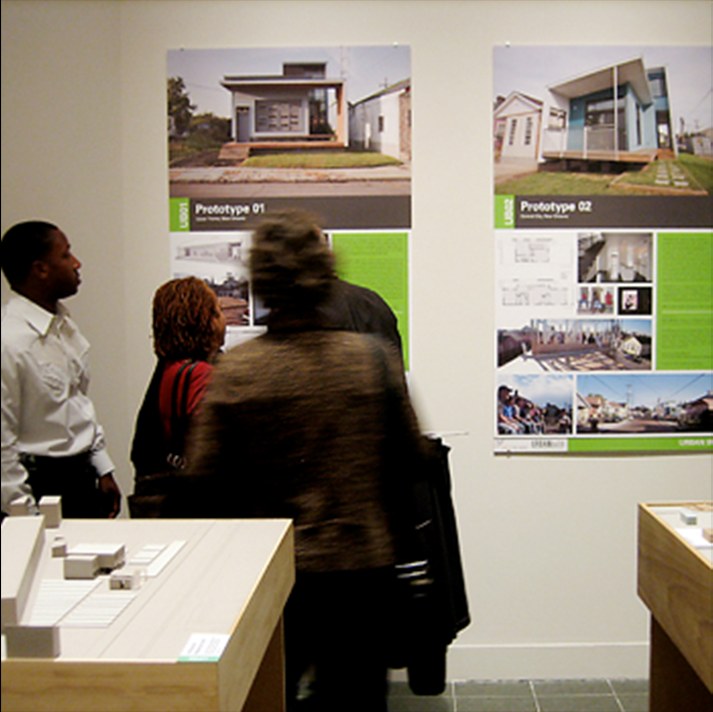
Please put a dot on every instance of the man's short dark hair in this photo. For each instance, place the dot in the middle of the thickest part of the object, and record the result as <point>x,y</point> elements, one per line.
<point>22,244</point>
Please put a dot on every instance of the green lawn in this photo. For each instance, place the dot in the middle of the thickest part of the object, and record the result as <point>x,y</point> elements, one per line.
<point>321,159</point>
<point>700,169</point>
<point>699,172</point>
<point>557,184</point>
<point>183,153</point>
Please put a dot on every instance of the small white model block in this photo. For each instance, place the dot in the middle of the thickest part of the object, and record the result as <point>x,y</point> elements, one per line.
<point>59,547</point>
<point>81,566</point>
<point>32,641</point>
<point>20,508</point>
<point>125,580</point>
<point>22,542</point>
<point>689,517</point>
<point>51,508</point>
<point>110,556</point>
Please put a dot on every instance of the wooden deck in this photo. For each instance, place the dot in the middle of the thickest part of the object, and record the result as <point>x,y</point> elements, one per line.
<point>638,157</point>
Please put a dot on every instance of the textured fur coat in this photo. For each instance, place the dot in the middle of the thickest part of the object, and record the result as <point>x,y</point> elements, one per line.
<point>294,424</point>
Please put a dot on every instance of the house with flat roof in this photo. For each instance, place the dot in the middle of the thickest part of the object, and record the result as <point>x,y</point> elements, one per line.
<point>301,105</point>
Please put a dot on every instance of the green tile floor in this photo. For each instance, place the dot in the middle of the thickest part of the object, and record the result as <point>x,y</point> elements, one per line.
<point>600,695</point>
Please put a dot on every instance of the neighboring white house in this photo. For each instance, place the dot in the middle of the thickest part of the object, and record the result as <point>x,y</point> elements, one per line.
<point>702,143</point>
<point>517,126</point>
<point>382,122</point>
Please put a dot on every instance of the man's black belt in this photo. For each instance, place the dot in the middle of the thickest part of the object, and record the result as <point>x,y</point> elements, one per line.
<point>48,461</point>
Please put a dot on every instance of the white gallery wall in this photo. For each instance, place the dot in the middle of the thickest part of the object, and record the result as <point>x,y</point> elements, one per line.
<point>549,543</point>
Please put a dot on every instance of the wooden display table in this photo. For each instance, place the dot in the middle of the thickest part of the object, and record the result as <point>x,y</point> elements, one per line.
<point>202,633</point>
<point>675,581</point>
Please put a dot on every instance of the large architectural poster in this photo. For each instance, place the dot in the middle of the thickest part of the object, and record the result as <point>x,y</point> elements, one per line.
<point>603,175</point>
<point>256,131</point>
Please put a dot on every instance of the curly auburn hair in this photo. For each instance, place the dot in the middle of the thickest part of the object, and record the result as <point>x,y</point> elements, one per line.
<point>291,265</point>
<point>184,313</point>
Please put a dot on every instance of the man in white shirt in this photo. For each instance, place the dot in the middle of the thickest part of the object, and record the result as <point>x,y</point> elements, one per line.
<point>52,443</point>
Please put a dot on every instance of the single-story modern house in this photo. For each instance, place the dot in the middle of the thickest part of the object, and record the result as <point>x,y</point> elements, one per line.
<point>300,105</point>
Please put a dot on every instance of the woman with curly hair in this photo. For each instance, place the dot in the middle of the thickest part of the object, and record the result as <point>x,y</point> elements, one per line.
<point>188,332</point>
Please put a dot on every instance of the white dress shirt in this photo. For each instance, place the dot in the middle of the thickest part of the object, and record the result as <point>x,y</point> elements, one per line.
<point>45,407</point>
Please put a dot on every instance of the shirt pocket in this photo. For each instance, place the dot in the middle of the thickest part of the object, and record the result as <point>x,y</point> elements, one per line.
<point>55,380</point>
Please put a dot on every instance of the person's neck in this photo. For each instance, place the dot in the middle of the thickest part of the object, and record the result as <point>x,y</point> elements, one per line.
<point>42,300</point>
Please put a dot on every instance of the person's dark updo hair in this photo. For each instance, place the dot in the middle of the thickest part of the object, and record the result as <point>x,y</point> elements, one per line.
<point>291,265</point>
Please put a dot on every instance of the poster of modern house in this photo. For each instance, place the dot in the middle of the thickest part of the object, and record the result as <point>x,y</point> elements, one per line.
<point>327,129</point>
<point>610,111</point>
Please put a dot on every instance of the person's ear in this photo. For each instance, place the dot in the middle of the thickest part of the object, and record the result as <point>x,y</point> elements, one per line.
<point>40,269</point>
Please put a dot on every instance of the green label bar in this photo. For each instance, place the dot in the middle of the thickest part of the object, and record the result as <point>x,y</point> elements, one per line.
<point>685,443</point>
<point>504,211</point>
<point>179,214</point>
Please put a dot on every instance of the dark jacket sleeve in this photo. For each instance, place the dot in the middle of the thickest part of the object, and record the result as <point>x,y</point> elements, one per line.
<point>147,451</point>
<point>355,308</point>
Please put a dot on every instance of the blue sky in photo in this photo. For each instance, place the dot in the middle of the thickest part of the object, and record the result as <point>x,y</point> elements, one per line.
<point>541,389</point>
<point>531,69</point>
<point>647,389</point>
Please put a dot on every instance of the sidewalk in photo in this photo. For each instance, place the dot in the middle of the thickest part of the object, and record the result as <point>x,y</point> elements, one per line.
<point>237,174</point>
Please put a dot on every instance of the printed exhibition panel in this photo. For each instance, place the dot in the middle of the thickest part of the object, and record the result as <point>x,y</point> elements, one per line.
<point>603,175</point>
<point>252,132</point>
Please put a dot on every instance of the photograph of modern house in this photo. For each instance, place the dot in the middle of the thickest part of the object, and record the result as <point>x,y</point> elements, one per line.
<point>300,107</point>
<point>644,403</point>
<point>620,113</point>
<point>276,126</point>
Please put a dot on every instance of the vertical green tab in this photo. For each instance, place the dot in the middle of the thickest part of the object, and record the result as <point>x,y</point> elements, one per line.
<point>180,214</point>
<point>504,211</point>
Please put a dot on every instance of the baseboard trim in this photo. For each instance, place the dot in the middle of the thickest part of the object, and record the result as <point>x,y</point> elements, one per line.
<point>548,661</point>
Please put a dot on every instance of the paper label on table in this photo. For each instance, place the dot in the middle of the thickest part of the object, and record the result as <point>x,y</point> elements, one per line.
<point>203,647</point>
